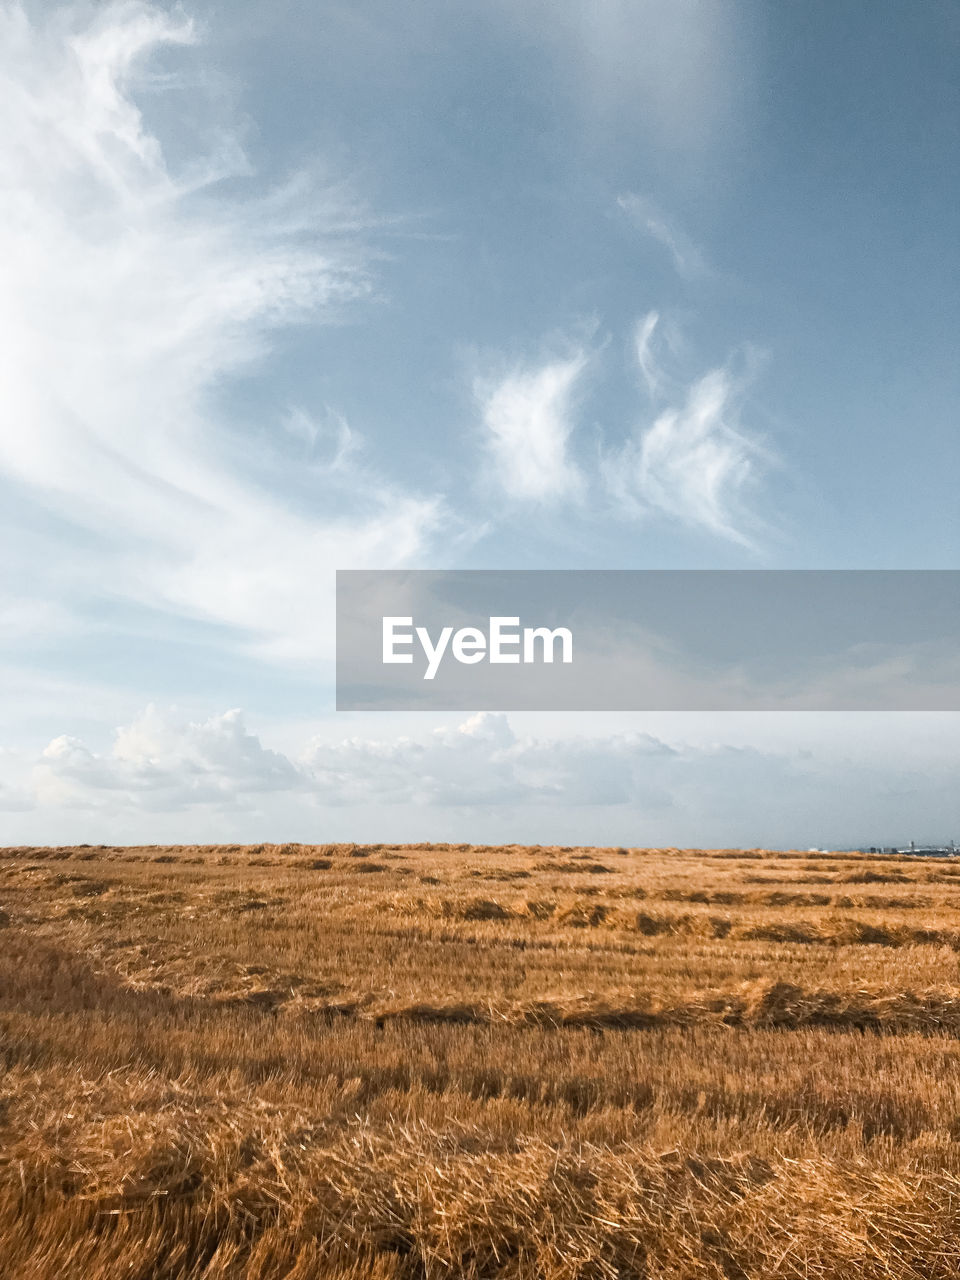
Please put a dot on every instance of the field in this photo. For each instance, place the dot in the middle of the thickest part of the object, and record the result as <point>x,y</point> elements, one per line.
<point>288,1062</point>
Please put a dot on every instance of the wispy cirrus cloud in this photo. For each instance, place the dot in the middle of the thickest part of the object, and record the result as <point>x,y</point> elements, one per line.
<point>695,462</point>
<point>645,336</point>
<point>134,290</point>
<point>528,419</point>
<point>687,257</point>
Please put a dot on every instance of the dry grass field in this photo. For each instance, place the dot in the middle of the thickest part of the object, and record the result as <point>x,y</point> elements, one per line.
<point>408,1063</point>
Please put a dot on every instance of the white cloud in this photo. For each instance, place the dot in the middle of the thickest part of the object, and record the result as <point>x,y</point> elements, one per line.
<point>162,762</point>
<point>480,780</point>
<point>528,418</point>
<point>328,436</point>
<point>686,256</point>
<point>133,290</point>
<point>650,367</point>
<point>695,462</point>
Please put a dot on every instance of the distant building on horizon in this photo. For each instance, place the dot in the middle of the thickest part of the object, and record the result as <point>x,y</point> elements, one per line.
<point>918,850</point>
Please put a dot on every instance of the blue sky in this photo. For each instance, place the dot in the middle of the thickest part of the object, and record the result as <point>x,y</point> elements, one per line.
<point>528,284</point>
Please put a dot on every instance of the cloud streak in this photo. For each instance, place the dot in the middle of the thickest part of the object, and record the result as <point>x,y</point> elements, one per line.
<point>686,256</point>
<point>645,335</point>
<point>695,463</point>
<point>134,291</point>
<point>528,421</point>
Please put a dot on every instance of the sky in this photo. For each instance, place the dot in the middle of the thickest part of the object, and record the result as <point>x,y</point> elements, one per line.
<point>501,284</point>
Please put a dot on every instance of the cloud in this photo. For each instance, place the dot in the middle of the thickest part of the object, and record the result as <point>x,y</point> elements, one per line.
<point>479,780</point>
<point>135,289</point>
<point>687,257</point>
<point>142,281</point>
<point>482,762</point>
<point>160,762</point>
<point>644,336</point>
<point>695,462</point>
<point>327,438</point>
<point>528,419</point>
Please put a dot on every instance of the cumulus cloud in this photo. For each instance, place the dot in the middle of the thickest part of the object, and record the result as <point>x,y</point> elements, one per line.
<point>528,421</point>
<point>631,787</point>
<point>483,763</point>
<point>134,288</point>
<point>479,780</point>
<point>163,762</point>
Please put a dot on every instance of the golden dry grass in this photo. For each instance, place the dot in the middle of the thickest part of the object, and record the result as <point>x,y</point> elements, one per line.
<point>407,1063</point>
